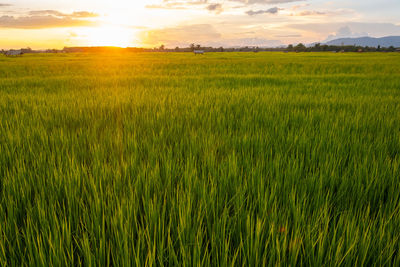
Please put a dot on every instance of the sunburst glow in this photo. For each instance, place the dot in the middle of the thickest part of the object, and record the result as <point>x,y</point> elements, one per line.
<point>108,36</point>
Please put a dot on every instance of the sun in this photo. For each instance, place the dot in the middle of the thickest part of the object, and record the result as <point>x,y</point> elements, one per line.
<point>109,36</point>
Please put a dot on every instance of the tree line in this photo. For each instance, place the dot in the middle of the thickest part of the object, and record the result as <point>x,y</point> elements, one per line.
<point>338,48</point>
<point>290,48</point>
<point>192,47</point>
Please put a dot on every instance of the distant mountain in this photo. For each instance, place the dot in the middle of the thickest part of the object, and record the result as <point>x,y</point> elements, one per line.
<point>368,41</point>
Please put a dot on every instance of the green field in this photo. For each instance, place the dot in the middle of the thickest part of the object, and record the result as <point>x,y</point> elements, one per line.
<point>229,159</point>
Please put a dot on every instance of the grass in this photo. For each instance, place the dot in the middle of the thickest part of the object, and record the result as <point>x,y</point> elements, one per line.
<point>229,159</point>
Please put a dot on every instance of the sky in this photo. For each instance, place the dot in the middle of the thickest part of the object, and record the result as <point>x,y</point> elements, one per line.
<point>43,24</point>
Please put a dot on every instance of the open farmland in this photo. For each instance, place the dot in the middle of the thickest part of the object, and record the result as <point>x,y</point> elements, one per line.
<point>166,159</point>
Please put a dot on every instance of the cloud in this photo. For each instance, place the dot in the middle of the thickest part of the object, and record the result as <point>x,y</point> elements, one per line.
<point>289,36</point>
<point>41,22</point>
<point>46,12</point>
<point>252,2</point>
<point>204,34</point>
<point>345,32</point>
<point>177,4</point>
<point>77,14</point>
<point>347,29</point>
<point>190,2</point>
<point>4,5</point>
<point>241,42</point>
<point>212,7</point>
<point>296,7</point>
<point>84,14</point>
<point>330,12</point>
<point>273,10</point>
<point>73,34</point>
<point>40,19</point>
<point>166,6</point>
<point>217,8</point>
<point>310,13</point>
<point>180,36</point>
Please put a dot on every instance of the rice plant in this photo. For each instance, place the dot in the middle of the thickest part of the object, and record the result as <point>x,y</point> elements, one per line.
<point>226,159</point>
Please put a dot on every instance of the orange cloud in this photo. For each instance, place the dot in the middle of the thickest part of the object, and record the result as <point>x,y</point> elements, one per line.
<point>41,22</point>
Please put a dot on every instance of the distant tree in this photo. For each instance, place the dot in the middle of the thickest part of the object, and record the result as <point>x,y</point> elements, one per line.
<point>198,46</point>
<point>177,49</point>
<point>162,47</point>
<point>221,49</point>
<point>26,50</point>
<point>290,47</point>
<point>300,47</point>
<point>379,48</point>
<point>192,46</point>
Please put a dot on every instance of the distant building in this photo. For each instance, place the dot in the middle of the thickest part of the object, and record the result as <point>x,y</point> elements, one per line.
<point>198,52</point>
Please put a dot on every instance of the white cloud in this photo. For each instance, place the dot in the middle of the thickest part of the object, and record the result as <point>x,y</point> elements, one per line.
<point>345,32</point>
